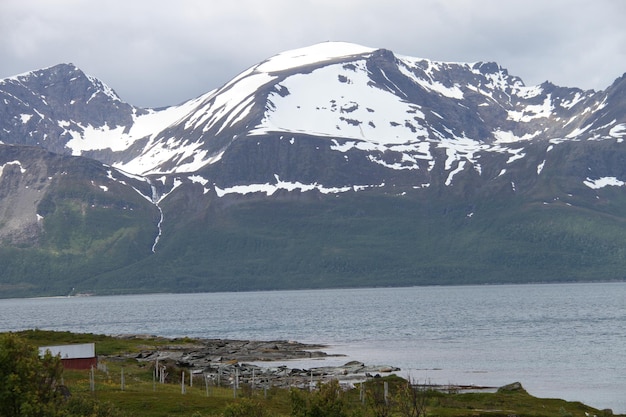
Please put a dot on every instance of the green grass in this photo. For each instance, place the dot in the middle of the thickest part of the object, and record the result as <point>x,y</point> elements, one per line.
<point>142,397</point>
<point>105,345</point>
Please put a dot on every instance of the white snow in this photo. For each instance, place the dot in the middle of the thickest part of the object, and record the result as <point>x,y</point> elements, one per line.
<point>18,163</point>
<point>578,131</point>
<point>454,92</point>
<point>460,148</point>
<point>517,154</point>
<point>200,180</point>
<point>320,104</point>
<point>575,100</point>
<point>412,163</point>
<point>451,175</point>
<point>238,113</point>
<point>227,100</point>
<point>270,189</point>
<point>507,136</point>
<point>105,88</point>
<point>150,125</point>
<point>618,131</point>
<point>529,92</point>
<point>333,101</point>
<point>90,138</point>
<point>603,182</point>
<point>533,111</point>
<point>398,89</point>
<point>344,147</point>
<point>540,167</point>
<point>314,54</point>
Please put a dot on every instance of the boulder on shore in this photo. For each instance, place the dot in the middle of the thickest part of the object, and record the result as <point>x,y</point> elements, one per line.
<point>515,386</point>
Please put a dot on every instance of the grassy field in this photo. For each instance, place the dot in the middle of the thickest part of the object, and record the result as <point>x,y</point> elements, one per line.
<point>129,385</point>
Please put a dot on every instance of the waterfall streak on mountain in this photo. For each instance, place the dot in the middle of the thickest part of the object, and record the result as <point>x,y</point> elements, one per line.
<point>155,200</point>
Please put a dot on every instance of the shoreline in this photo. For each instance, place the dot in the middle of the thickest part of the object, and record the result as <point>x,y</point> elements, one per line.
<point>225,362</point>
<point>279,363</point>
<point>267,363</point>
<point>250,360</point>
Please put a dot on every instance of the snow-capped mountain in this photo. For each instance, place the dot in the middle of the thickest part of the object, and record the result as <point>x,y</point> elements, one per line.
<point>333,119</point>
<point>355,97</point>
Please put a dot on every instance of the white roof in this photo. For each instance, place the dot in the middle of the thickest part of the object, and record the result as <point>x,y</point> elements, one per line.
<point>84,350</point>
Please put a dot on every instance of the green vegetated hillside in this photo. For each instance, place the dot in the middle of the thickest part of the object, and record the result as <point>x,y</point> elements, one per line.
<point>366,239</point>
<point>96,235</point>
<point>84,227</point>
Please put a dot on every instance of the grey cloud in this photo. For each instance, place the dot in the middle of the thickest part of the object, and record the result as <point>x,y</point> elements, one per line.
<point>156,53</point>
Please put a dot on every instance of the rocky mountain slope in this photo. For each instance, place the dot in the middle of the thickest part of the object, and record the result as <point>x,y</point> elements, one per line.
<point>329,166</point>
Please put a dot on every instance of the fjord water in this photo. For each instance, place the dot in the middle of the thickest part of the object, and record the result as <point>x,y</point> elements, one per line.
<point>559,340</point>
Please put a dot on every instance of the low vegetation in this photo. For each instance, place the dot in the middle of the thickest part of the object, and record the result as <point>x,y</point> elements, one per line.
<point>33,386</point>
<point>99,244</point>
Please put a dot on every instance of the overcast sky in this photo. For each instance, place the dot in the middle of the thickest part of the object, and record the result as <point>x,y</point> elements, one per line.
<point>159,52</point>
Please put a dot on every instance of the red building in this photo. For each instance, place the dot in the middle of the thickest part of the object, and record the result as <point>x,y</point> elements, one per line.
<point>81,356</point>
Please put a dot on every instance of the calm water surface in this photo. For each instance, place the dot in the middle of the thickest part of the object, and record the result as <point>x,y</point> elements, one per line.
<point>564,340</point>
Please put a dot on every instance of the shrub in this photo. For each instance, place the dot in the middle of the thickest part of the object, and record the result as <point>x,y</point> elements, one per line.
<point>28,383</point>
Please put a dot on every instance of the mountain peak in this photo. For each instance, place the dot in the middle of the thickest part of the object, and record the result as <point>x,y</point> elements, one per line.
<point>315,54</point>
<point>65,75</point>
<point>488,67</point>
<point>53,74</point>
<point>50,107</point>
<point>353,96</point>
<point>422,158</point>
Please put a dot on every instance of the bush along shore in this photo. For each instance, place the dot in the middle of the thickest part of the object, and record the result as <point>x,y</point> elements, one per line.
<point>143,375</point>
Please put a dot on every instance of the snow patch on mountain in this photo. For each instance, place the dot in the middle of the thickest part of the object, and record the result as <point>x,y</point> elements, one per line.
<point>411,153</point>
<point>603,182</point>
<point>315,54</point>
<point>338,102</point>
<point>578,131</point>
<point>18,163</point>
<point>532,112</point>
<point>102,88</point>
<point>509,137</point>
<point>568,104</point>
<point>452,173</point>
<point>270,189</point>
<point>200,180</point>
<point>234,99</point>
<point>540,167</point>
<point>430,84</point>
<point>618,131</point>
<point>146,124</point>
<point>528,92</point>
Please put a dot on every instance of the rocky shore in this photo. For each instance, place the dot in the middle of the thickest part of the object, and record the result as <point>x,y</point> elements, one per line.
<point>223,362</point>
